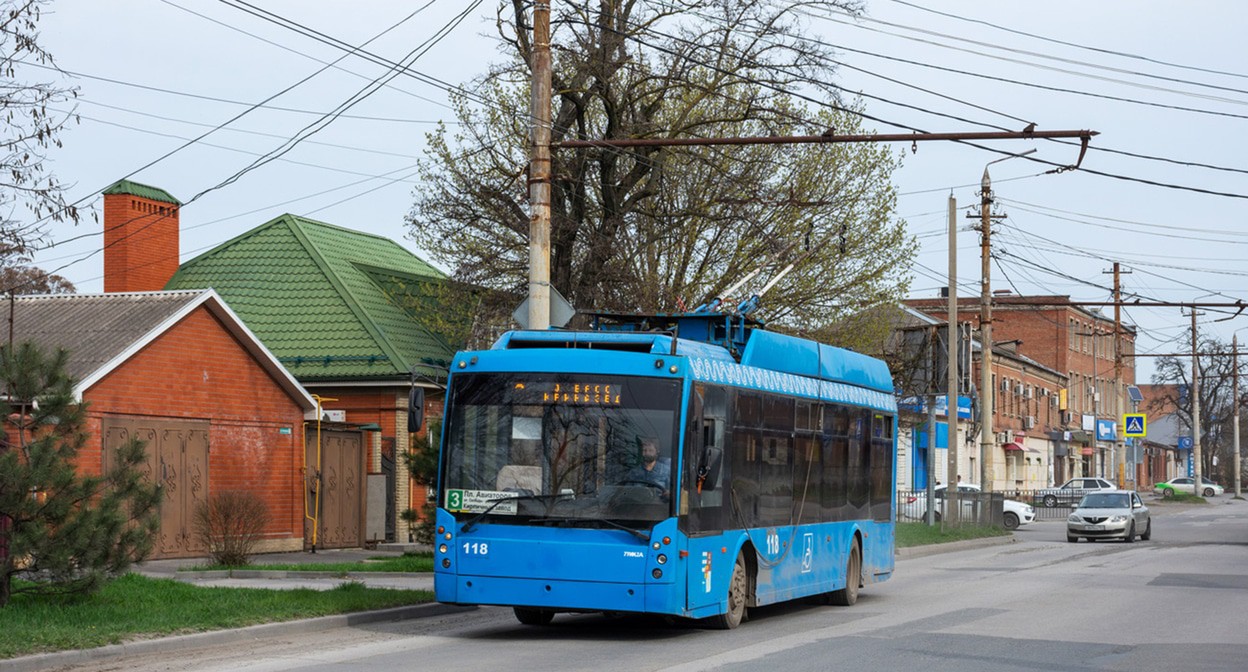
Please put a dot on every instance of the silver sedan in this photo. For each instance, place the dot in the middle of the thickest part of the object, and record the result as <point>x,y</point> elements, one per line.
<point>1110,515</point>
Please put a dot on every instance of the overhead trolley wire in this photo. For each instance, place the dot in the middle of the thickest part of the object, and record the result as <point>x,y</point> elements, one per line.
<point>1076,45</point>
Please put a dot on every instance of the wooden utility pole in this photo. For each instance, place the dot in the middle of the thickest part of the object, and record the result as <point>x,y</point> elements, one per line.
<point>539,171</point>
<point>1195,393</point>
<point>986,440</point>
<point>1235,400</point>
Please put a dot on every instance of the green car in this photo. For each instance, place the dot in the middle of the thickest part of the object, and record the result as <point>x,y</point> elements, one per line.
<point>1184,484</point>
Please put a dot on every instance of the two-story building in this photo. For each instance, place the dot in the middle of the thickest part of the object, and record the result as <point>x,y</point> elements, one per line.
<point>1080,418</point>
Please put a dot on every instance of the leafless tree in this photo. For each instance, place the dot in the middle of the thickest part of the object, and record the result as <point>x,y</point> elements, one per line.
<point>664,228</point>
<point>30,195</point>
<point>1217,400</point>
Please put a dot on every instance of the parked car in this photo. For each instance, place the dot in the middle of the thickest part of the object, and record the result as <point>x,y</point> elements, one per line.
<point>1185,484</point>
<point>1013,513</point>
<point>1072,491</point>
<point>1112,514</point>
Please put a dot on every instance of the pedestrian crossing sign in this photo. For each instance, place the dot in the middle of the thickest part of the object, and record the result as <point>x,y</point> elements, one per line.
<point>1134,424</point>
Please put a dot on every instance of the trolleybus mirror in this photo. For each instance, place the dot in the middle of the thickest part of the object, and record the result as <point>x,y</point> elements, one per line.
<point>415,409</point>
<point>708,468</point>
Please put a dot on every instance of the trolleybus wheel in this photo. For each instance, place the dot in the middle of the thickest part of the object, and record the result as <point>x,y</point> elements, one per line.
<point>848,595</point>
<point>738,593</point>
<point>533,616</point>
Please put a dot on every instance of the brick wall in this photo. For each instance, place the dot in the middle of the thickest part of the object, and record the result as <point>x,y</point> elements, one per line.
<point>140,243</point>
<point>197,370</point>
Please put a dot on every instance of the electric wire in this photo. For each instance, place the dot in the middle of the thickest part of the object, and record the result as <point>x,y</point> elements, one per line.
<point>1076,45</point>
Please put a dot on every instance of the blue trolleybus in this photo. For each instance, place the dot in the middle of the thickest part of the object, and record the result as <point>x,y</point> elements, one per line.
<point>691,465</point>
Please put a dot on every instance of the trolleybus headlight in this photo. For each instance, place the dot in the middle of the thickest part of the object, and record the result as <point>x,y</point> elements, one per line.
<point>662,559</point>
<point>657,573</point>
<point>655,546</point>
<point>442,548</point>
<point>447,536</point>
<point>446,563</point>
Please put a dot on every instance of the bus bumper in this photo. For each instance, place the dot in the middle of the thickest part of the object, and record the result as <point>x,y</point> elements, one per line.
<point>555,594</point>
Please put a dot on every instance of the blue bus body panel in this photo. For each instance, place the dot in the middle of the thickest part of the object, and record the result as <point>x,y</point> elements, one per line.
<point>789,354</point>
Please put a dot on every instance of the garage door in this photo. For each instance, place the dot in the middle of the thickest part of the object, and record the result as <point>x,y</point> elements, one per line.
<point>177,458</point>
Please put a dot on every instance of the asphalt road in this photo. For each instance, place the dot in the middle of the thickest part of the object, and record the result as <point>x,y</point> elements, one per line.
<point>1173,603</point>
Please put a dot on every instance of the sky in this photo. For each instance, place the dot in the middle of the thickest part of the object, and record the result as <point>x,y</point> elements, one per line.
<point>1166,86</point>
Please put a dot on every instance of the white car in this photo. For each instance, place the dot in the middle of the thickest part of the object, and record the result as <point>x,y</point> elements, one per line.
<point>1014,513</point>
<point>1070,492</point>
<point>1184,484</point>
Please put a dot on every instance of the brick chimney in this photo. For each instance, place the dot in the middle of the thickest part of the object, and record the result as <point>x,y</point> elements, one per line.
<point>140,237</point>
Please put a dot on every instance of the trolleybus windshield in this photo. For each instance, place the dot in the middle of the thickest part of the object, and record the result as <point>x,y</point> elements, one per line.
<point>560,449</point>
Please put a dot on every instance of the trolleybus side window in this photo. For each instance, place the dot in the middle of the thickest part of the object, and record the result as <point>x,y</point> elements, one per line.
<point>858,472</point>
<point>807,472</point>
<point>881,466</point>
<point>744,447</point>
<point>835,461</point>
<point>775,505</point>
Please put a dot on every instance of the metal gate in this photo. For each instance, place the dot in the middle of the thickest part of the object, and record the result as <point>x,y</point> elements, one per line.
<point>177,458</point>
<point>387,470</point>
<point>340,481</point>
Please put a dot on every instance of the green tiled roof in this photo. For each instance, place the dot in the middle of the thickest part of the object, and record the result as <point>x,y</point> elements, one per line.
<point>330,303</point>
<point>136,189</point>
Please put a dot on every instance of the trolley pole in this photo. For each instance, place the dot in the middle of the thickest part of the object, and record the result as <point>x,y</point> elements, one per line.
<point>539,171</point>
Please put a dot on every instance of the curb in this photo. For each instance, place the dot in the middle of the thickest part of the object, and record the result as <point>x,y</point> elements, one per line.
<point>44,661</point>
<point>215,574</point>
<point>953,546</point>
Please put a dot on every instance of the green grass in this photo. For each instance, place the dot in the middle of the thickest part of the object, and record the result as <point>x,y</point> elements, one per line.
<point>408,562</point>
<point>138,607</point>
<point>919,534</point>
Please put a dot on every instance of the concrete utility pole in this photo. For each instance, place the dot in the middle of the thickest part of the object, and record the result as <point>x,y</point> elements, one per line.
<point>1119,446</point>
<point>539,171</point>
<point>951,378</point>
<point>929,397</point>
<point>1235,398</point>
<point>986,440</point>
<point>1195,392</point>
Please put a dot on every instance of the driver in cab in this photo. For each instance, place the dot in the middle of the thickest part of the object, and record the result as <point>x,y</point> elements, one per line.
<point>651,470</point>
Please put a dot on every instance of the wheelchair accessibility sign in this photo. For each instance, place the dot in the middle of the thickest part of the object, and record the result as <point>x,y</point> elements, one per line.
<point>1134,424</point>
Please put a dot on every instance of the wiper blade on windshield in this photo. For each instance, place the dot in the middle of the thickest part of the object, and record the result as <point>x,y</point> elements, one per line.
<point>467,527</point>
<point>636,533</point>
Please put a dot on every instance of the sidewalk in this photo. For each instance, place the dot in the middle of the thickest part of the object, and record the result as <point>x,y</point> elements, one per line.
<point>309,577</point>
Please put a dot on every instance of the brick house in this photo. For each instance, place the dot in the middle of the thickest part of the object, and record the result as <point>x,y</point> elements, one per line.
<point>1070,340</point>
<point>340,309</point>
<point>179,370</point>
